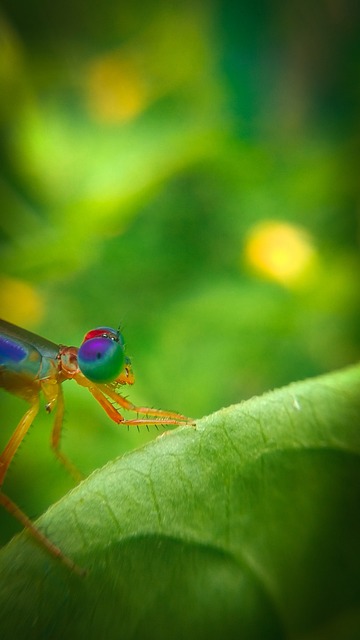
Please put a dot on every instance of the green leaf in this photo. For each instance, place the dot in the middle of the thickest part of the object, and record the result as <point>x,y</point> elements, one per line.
<point>246,527</point>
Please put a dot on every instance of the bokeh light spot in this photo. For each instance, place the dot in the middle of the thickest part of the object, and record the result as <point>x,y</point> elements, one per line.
<point>115,89</point>
<point>20,302</point>
<point>280,251</point>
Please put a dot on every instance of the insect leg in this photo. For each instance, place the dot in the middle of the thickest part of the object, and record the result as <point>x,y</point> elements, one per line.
<point>5,460</point>
<point>157,415</point>
<point>14,510</point>
<point>17,438</point>
<point>112,412</point>
<point>58,397</point>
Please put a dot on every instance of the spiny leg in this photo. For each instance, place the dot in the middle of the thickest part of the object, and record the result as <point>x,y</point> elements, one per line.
<point>14,510</point>
<point>56,436</point>
<point>5,461</point>
<point>17,438</point>
<point>166,417</point>
<point>106,404</point>
<point>159,416</point>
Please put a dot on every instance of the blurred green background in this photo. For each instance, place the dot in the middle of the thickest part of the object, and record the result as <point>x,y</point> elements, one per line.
<point>189,171</point>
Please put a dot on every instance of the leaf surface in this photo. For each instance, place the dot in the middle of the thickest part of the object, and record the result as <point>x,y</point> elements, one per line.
<point>246,527</point>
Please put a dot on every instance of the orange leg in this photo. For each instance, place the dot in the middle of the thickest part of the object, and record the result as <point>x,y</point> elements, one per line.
<point>17,438</point>
<point>5,461</point>
<point>159,416</point>
<point>14,510</point>
<point>56,435</point>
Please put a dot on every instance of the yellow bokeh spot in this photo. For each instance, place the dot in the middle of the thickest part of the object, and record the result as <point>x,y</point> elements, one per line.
<point>20,303</point>
<point>115,89</point>
<point>281,251</point>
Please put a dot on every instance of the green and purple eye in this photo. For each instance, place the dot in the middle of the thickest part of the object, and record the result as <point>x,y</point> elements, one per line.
<point>101,356</point>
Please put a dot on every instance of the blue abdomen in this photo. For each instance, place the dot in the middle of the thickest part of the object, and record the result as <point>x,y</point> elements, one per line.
<point>18,357</point>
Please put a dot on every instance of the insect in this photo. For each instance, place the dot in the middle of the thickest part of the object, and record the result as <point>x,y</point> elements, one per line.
<point>30,364</point>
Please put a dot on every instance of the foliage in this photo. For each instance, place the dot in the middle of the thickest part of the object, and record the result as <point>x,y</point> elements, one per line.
<point>247,526</point>
<point>190,172</point>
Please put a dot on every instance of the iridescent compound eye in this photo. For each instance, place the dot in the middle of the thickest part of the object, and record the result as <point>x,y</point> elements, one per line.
<point>101,356</point>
